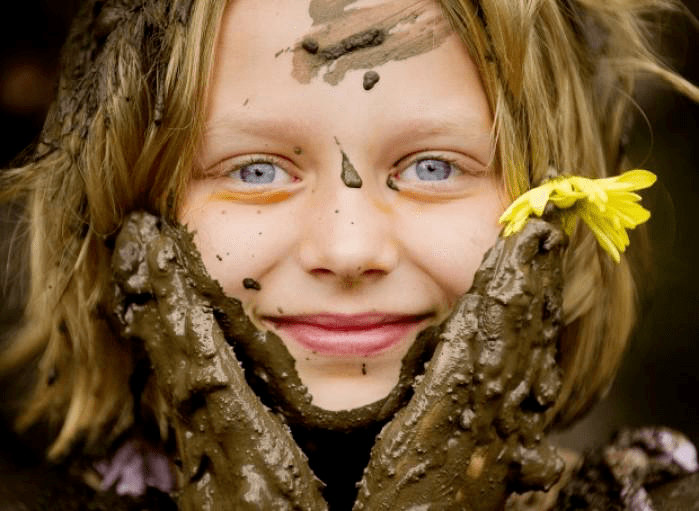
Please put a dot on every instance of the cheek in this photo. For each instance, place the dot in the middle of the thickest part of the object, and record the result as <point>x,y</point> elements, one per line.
<point>448,244</point>
<point>235,242</point>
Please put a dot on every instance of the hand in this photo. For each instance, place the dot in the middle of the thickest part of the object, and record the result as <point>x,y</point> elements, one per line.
<point>233,453</point>
<point>472,431</point>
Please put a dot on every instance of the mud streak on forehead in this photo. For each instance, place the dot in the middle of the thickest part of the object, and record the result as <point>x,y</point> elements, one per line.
<point>402,30</point>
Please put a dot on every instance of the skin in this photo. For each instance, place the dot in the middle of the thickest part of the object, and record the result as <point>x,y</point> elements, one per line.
<point>314,244</point>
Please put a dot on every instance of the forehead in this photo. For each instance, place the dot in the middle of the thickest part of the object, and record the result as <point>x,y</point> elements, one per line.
<point>328,38</point>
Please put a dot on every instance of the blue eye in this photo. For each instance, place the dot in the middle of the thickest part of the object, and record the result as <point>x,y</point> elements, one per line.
<point>428,169</point>
<point>258,173</point>
<point>432,170</point>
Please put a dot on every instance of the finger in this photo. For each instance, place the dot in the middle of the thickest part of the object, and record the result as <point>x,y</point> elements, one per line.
<point>444,445</point>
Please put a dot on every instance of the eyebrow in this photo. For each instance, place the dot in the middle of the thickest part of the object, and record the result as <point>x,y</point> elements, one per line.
<point>411,125</point>
<point>257,126</point>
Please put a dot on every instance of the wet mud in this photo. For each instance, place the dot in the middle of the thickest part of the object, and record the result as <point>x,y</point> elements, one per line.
<point>472,432</point>
<point>346,37</point>
<point>370,79</point>
<point>251,284</point>
<point>461,429</point>
<point>349,175</point>
<point>391,183</point>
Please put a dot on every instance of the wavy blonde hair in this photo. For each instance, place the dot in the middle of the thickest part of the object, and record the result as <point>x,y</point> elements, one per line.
<point>559,76</point>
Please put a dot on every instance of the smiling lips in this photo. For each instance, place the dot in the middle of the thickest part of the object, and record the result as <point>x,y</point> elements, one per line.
<point>362,335</point>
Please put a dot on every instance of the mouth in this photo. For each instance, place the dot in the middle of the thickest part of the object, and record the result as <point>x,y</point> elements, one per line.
<point>358,335</point>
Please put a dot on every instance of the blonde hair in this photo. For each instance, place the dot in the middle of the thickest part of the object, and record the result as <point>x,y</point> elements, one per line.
<point>560,76</point>
<point>121,137</point>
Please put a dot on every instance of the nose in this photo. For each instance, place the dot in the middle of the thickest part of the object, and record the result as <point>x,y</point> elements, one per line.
<point>348,236</point>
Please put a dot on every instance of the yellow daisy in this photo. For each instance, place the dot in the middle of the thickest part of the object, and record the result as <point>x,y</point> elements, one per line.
<point>608,206</point>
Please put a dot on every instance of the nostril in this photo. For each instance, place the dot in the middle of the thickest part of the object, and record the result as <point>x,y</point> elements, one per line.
<point>321,271</point>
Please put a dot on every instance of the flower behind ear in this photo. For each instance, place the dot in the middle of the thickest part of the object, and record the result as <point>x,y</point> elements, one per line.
<point>607,206</point>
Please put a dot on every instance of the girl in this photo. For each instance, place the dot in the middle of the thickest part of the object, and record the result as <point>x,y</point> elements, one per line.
<point>342,167</point>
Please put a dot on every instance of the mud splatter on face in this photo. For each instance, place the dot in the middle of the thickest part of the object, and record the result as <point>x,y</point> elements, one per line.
<point>391,183</point>
<point>349,174</point>
<point>371,78</point>
<point>365,37</point>
<point>251,284</point>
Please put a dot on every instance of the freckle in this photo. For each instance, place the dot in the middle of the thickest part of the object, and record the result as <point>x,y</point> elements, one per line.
<point>351,223</point>
<point>246,101</point>
<point>223,211</point>
<point>280,310</point>
<point>337,211</point>
<point>310,45</point>
<point>228,253</point>
<point>371,78</point>
<point>259,233</point>
<point>219,257</point>
<point>363,368</point>
<point>249,283</point>
<point>298,150</point>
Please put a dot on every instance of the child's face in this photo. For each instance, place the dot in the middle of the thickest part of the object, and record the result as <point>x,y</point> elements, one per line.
<point>348,275</point>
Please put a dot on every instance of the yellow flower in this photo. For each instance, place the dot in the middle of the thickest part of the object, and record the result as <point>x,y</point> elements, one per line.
<point>608,206</point>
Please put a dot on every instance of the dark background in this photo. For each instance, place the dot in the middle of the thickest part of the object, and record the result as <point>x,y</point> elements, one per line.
<point>659,381</point>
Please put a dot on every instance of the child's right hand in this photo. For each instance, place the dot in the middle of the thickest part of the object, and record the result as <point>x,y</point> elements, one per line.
<point>233,453</point>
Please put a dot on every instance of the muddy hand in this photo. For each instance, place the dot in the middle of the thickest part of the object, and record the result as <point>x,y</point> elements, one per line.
<point>472,431</point>
<point>232,452</point>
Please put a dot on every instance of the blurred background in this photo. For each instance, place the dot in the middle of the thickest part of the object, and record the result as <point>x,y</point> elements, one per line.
<point>659,381</point>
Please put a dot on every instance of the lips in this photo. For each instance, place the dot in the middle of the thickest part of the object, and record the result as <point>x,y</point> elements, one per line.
<point>362,335</point>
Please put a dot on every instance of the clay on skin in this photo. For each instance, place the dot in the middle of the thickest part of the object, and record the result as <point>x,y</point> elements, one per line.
<point>370,79</point>
<point>346,37</point>
<point>472,426</point>
<point>349,175</point>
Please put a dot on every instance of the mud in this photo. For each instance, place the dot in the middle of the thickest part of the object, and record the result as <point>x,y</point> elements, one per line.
<point>344,37</point>
<point>472,432</point>
<point>462,435</point>
<point>391,183</point>
<point>251,284</point>
<point>230,449</point>
<point>370,79</point>
<point>349,175</point>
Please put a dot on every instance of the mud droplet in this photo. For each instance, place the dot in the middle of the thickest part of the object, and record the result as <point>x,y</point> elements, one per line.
<point>391,183</point>
<point>247,100</point>
<point>310,45</point>
<point>249,283</point>
<point>371,78</point>
<point>280,310</point>
<point>337,211</point>
<point>363,369</point>
<point>219,257</point>
<point>298,150</point>
<point>349,174</point>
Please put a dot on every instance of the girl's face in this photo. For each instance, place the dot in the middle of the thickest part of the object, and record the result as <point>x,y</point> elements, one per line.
<point>347,275</point>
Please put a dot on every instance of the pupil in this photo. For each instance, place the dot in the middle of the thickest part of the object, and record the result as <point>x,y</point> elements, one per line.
<point>432,170</point>
<point>259,173</point>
